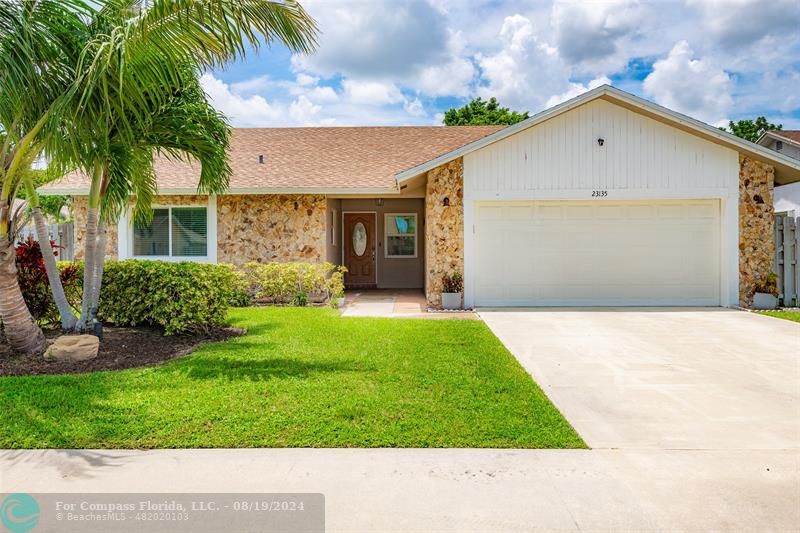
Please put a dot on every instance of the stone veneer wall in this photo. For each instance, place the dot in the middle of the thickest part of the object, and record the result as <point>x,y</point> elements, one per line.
<point>80,206</point>
<point>249,227</point>
<point>444,227</point>
<point>756,225</point>
<point>274,227</point>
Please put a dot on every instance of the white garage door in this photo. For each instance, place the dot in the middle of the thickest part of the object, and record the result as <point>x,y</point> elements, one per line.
<point>553,253</point>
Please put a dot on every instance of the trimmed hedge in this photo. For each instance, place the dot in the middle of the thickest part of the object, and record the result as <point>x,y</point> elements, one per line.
<point>187,296</point>
<point>294,283</point>
<point>178,297</point>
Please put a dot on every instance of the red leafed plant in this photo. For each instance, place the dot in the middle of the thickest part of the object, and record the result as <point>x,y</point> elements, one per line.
<point>34,284</point>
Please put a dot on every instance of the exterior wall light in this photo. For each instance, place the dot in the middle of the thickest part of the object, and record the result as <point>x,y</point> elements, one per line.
<point>446,202</point>
<point>600,141</point>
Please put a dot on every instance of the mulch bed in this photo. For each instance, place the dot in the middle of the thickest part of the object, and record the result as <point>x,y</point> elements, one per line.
<point>121,348</point>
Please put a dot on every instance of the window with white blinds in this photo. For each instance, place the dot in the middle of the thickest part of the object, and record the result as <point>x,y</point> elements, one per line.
<point>173,232</point>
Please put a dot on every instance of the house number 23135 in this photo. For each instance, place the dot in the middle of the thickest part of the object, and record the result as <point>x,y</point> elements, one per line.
<point>599,194</point>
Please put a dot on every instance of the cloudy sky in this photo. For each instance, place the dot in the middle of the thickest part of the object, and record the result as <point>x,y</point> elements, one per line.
<point>404,62</point>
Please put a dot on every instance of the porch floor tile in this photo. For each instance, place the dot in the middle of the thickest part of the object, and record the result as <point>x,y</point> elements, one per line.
<point>394,303</point>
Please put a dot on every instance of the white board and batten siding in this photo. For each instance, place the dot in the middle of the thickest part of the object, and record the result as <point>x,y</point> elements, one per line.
<point>672,186</point>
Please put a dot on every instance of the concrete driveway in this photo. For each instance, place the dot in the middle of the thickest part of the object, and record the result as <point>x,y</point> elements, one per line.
<point>663,378</point>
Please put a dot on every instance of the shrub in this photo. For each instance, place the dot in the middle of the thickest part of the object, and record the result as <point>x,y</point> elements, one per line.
<point>768,284</point>
<point>294,283</point>
<point>240,296</point>
<point>178,297</point>
<point>300,299</point>
<point>35,286</point>
<point>452,283</point>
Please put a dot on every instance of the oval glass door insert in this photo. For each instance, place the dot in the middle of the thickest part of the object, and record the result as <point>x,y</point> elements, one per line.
<point>359,239</point>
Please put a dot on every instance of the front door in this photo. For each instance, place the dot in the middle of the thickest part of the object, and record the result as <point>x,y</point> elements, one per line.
<point>359,250</point>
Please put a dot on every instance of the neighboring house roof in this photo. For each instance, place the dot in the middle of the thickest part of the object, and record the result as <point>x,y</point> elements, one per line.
<point>787,170</point>
<point>321,160</point>
<point>790,136</point>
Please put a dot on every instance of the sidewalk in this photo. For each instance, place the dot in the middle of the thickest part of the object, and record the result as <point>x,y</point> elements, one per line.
<point>456,490</point>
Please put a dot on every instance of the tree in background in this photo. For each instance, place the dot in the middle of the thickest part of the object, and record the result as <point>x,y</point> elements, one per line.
<point>752,129</point>
<point>479,112</point>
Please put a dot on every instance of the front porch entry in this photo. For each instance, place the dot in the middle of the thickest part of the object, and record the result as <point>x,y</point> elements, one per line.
<point>381,241</point>
<point>394,303</point>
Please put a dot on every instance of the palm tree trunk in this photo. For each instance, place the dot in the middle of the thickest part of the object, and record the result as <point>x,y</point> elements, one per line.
<point>21,331</point>
<point>88,266</point>
<point>99,176</point>
<point>68,318</point>
<point>99,264</point>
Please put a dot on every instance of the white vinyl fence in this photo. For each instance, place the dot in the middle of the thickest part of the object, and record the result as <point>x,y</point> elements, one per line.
<point>787,259</point>
<point>61,234</point>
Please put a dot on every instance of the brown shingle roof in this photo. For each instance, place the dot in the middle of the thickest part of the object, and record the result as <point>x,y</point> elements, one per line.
<point>792,135</point>
<point>314,158</point>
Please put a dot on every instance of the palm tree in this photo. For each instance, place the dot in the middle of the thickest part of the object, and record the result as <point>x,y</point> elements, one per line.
<point>134,66</point>
<point>185,127</point>
<point>99,74</point>
<point>39,41</point>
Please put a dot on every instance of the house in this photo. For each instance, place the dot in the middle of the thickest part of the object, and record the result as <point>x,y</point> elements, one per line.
<point>606,199</point>
<point>787,197</point>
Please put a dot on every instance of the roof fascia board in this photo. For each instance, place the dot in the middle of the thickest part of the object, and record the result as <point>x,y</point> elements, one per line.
<point>627,100</point>
<point>246,190</point>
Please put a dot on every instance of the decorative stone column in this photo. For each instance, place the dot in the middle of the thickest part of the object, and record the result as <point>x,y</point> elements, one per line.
<point>444,227</point>
<point>756,225</point>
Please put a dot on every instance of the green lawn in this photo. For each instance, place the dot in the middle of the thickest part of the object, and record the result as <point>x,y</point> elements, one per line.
<point>786,315</point>
<point>301,377</point>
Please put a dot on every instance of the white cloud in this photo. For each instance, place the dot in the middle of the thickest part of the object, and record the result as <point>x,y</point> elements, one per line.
<point>399,61</point>
<point>305,80</point>
<point>303,111</point>
<point>307,104</point>
<point>577,89</point>
<point>452,76</point>
<point>375,38</point>
<point>251,110</point>
<point>739,23</point>
<point>414,107</point>
<point>526,71</point>
<point>241,110</point>
<point>591,31</point>
<point>252,85</point>
<point>691,86</point>
<point>371,92</point>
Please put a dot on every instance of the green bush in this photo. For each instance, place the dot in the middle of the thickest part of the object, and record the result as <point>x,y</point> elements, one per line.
<point>178,297</point>
<point>294,283</point>
<point>240,296</point>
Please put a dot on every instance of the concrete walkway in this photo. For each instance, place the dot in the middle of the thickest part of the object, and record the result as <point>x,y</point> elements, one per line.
<point>457,490</point>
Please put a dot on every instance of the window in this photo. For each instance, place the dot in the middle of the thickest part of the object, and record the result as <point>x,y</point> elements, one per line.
<point>779,145</point>
<point>173,232</point>
<point>401,235</point>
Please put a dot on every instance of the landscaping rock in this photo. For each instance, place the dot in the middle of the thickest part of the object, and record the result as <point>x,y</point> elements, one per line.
<point>73,348</point>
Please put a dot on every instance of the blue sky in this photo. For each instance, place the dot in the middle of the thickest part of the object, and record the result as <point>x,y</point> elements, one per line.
<point>404,62</point>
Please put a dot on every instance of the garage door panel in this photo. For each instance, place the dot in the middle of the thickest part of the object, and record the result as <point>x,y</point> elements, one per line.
<point>582,253</point>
